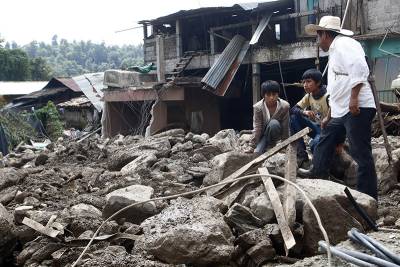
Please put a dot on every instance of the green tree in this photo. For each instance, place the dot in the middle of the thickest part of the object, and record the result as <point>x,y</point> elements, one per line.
<point>14,65</point>
<point>40,70</point>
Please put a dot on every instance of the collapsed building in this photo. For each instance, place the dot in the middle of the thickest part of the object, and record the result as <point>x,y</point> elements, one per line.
<point>210,62</point>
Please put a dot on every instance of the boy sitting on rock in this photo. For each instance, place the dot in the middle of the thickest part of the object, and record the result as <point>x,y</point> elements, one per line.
<point>309,111</point>
<point>270,118</point>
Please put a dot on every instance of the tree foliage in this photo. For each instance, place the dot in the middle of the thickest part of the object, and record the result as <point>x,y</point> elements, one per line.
<point>51,121</point>
<point>78,57</point>
<point>40,61</point>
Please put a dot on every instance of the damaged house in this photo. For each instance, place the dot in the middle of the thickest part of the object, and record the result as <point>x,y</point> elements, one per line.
<point>210,62</point>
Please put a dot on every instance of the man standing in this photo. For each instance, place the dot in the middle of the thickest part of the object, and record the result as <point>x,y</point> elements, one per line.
<point>351,101</point>
<point>270,118</point>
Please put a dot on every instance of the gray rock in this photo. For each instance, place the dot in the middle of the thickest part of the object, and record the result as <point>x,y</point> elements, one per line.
<point>188,232</point>
<point>119,157</point>
<point>387,174</point>
<point>208,151</point>
<point>262,208</point>
<point>173,132</point>
<point>123,197</point>
<point>336,212</point>
<point>225,164</point>
<point>182,147</point>
<point>242,219</point>
<point>9,177</point>
<point>251,238</point>
<point>142,162</point>
<point>199,139</point>
<point>7,237</point>
<point>198,172</point>
<point>226,140</point>
<point>276,164</point>
<point>41,159</point>
<point>85,210</point>
<point>261,252</point>
<point>196,158</point>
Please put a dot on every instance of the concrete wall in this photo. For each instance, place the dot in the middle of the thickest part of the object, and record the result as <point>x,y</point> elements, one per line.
<point>382,14</point>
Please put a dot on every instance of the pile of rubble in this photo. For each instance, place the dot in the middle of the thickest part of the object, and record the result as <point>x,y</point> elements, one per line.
<point>53,201</point>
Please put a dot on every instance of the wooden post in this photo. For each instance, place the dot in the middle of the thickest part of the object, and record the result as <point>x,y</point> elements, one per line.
<point>212,42</point>
<point>160,58</point>
<point>289,203</point>
<point>256,82</point>
<point>273,195</point>
<point>178,31</point>
<point>255,77</point>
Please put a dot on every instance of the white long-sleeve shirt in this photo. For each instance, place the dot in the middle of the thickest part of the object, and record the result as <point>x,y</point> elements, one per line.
<point>347,68</point>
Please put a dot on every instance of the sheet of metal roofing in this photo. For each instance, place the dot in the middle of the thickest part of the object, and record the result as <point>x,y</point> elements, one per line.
<point>81,101</point>
<point>224,85</point>
<point>260,28</point>
<point>221,66</point>
<point>91,85</point>
<point>21,88</point>
<point>69,82</point>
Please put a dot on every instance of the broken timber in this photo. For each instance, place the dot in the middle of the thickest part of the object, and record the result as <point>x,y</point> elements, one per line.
<point>273,195</point>
<point>289,201</point>
<point>262,157</point>
<point>40,228</point>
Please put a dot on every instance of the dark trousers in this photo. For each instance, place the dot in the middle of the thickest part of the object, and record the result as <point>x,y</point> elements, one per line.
<point>297,123</point>
<point>272,133</point>
<point>358,132</point>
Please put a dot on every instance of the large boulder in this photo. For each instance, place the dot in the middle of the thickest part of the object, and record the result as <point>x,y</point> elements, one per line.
<point>242,219</point>
<point>9,177</point>
<point>188,232</point>
<point>226,140</point>
<point>123,197</point>
<point>336,212</point>
<point>7,237</point>
<point>142,162</point>
<point>387,173</point>
<point>161,147</point>
<point>225,164</point>
<point>261,206</point>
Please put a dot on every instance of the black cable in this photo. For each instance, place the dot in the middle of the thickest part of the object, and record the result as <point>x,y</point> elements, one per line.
<point>360,210</point>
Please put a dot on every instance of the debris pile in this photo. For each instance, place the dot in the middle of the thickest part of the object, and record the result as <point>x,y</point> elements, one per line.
<point>54,200</point>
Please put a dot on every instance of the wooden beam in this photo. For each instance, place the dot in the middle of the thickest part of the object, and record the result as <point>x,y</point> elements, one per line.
<point>231,26</point>
<point>273,195</point>
<point>178,31</point>
<point>262,157</point>
<point>289,202</point>
<point>293,15</point>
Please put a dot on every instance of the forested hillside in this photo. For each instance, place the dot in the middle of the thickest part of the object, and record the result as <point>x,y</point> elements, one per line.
<point>39,60</point>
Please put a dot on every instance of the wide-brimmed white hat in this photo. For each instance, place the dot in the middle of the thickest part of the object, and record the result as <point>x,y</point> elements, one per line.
<point>327,23</point>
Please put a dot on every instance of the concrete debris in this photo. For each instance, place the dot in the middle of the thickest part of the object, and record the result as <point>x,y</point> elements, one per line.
<point>189,232</point>
<point>70,188</point>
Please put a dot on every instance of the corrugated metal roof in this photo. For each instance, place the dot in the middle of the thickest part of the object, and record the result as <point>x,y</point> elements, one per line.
<point>260,28</point>
<point>81,101</point>
<point>216,9</point>
<point>70,83</point>
<point>221,66</point>
<point>21,88</point>
<point>91,85</point>
<point>224,85</point>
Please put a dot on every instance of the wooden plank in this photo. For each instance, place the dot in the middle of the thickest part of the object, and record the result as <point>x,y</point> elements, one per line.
<point>40,228</point>
<point>262,157</point>
<point>289,202</point>
<point>273,195</point>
